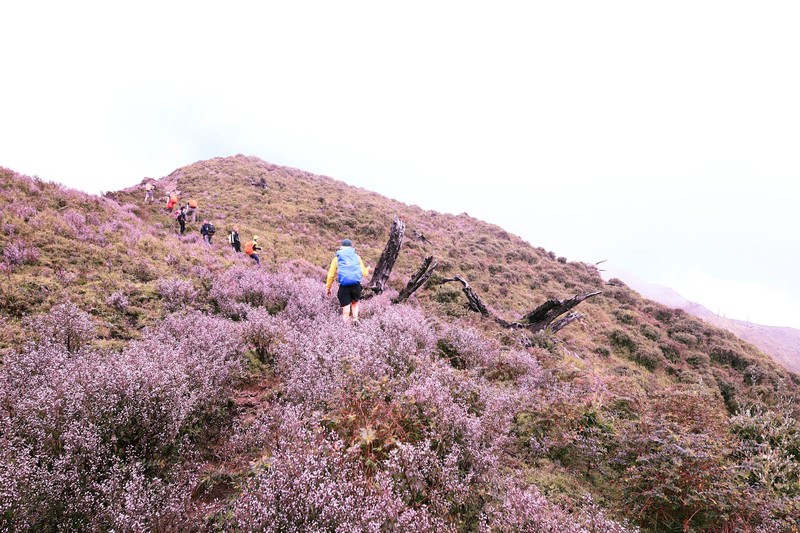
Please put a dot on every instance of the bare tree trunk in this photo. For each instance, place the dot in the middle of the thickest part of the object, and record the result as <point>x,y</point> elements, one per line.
<point>539,319</point>
<point>474,301</point>
<point>558,325</point>
<point>418,279</point>
<point>386,262</point>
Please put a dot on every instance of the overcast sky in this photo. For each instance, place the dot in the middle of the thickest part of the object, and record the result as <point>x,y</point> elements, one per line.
<point>661,136</point>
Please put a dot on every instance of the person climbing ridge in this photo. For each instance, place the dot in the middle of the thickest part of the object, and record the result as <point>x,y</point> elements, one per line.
<point>233,239</point>
<point>191,209</point>
<point>207,230</point>
<point>149,189</point>
<point>181,218</point>
<point>348,269</point>
<point>251,247</point>
<point>172,200</point>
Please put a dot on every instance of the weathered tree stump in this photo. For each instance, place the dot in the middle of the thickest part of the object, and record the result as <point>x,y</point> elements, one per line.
<point>543,317</point>
<point>420,277</point>
<point>386,262</point>
<point>473,300</point>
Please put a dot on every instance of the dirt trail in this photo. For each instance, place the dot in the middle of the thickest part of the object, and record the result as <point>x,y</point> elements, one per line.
<point>222,475</point>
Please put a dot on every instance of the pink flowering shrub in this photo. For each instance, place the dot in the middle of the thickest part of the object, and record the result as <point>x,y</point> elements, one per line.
<point>312,483</point>
<point>465,348</point>
<point>19,253</point>
<point>176,293</point>
<point>24,211</point>
<point>321,359</point>
<point>93,439</point>
<point>118,301</point>
<point>239,289</point>
<point>77,223</point>
<point>432,433</point>
<point>524,508</point>
<point>263,332</point>
<point>65,326</point>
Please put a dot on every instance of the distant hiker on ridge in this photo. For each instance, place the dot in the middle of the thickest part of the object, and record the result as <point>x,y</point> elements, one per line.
<point>191,209</point>
<point>234,241</point>
<point>181,218</point>
<point>172,199</point>
<point>149,188</point>
<point>207,230</point>
<point>348,269</point>
<point>251,248</point>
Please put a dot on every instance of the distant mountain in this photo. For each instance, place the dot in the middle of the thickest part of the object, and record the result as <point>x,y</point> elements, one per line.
<point>782,343</point>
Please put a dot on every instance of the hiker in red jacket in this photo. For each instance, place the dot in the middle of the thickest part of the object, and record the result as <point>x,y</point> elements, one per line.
<point>172,200</point>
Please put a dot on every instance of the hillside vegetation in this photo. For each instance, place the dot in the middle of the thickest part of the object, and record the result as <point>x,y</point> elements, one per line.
<point>149,382</point>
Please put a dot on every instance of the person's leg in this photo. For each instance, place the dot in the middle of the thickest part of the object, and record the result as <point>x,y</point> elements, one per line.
<point>355,296</point>
<point>345,299</point>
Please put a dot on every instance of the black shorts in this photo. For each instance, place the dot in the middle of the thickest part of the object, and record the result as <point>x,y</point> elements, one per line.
<point>348,294</point>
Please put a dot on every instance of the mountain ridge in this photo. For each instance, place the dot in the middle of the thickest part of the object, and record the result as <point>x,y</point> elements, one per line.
<point>780,342</point>
<point>203,390</point>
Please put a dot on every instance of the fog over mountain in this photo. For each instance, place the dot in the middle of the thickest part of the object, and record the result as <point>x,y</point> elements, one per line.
<point>781,343</point>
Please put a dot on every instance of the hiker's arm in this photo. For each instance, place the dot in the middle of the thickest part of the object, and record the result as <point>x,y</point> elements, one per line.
<point>364,270</point>
<point>331,276</point>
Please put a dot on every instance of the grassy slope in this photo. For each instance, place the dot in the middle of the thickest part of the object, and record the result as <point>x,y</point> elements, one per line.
<point>639,347</point>
<point>86,248</point>
<point>303,216</point>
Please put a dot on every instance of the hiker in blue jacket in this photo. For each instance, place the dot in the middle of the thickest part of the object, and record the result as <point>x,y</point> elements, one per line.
<point>348,269</point>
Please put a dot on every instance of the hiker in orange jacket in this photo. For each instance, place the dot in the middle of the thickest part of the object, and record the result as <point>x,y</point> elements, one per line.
<point>251,247</point>
<point>191,209</point>
<point>172,199</point>
<point>348,269</point>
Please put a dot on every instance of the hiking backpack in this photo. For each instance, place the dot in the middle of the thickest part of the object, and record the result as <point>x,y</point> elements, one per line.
<point>348,267</point>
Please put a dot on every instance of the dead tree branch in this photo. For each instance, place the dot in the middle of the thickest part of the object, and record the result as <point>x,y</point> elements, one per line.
<point>419,278</point>
<point>561,323</point>
<point>386,262</point>
<point>474,301</point>
<point>544,316</point>
<point>261,183</point>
